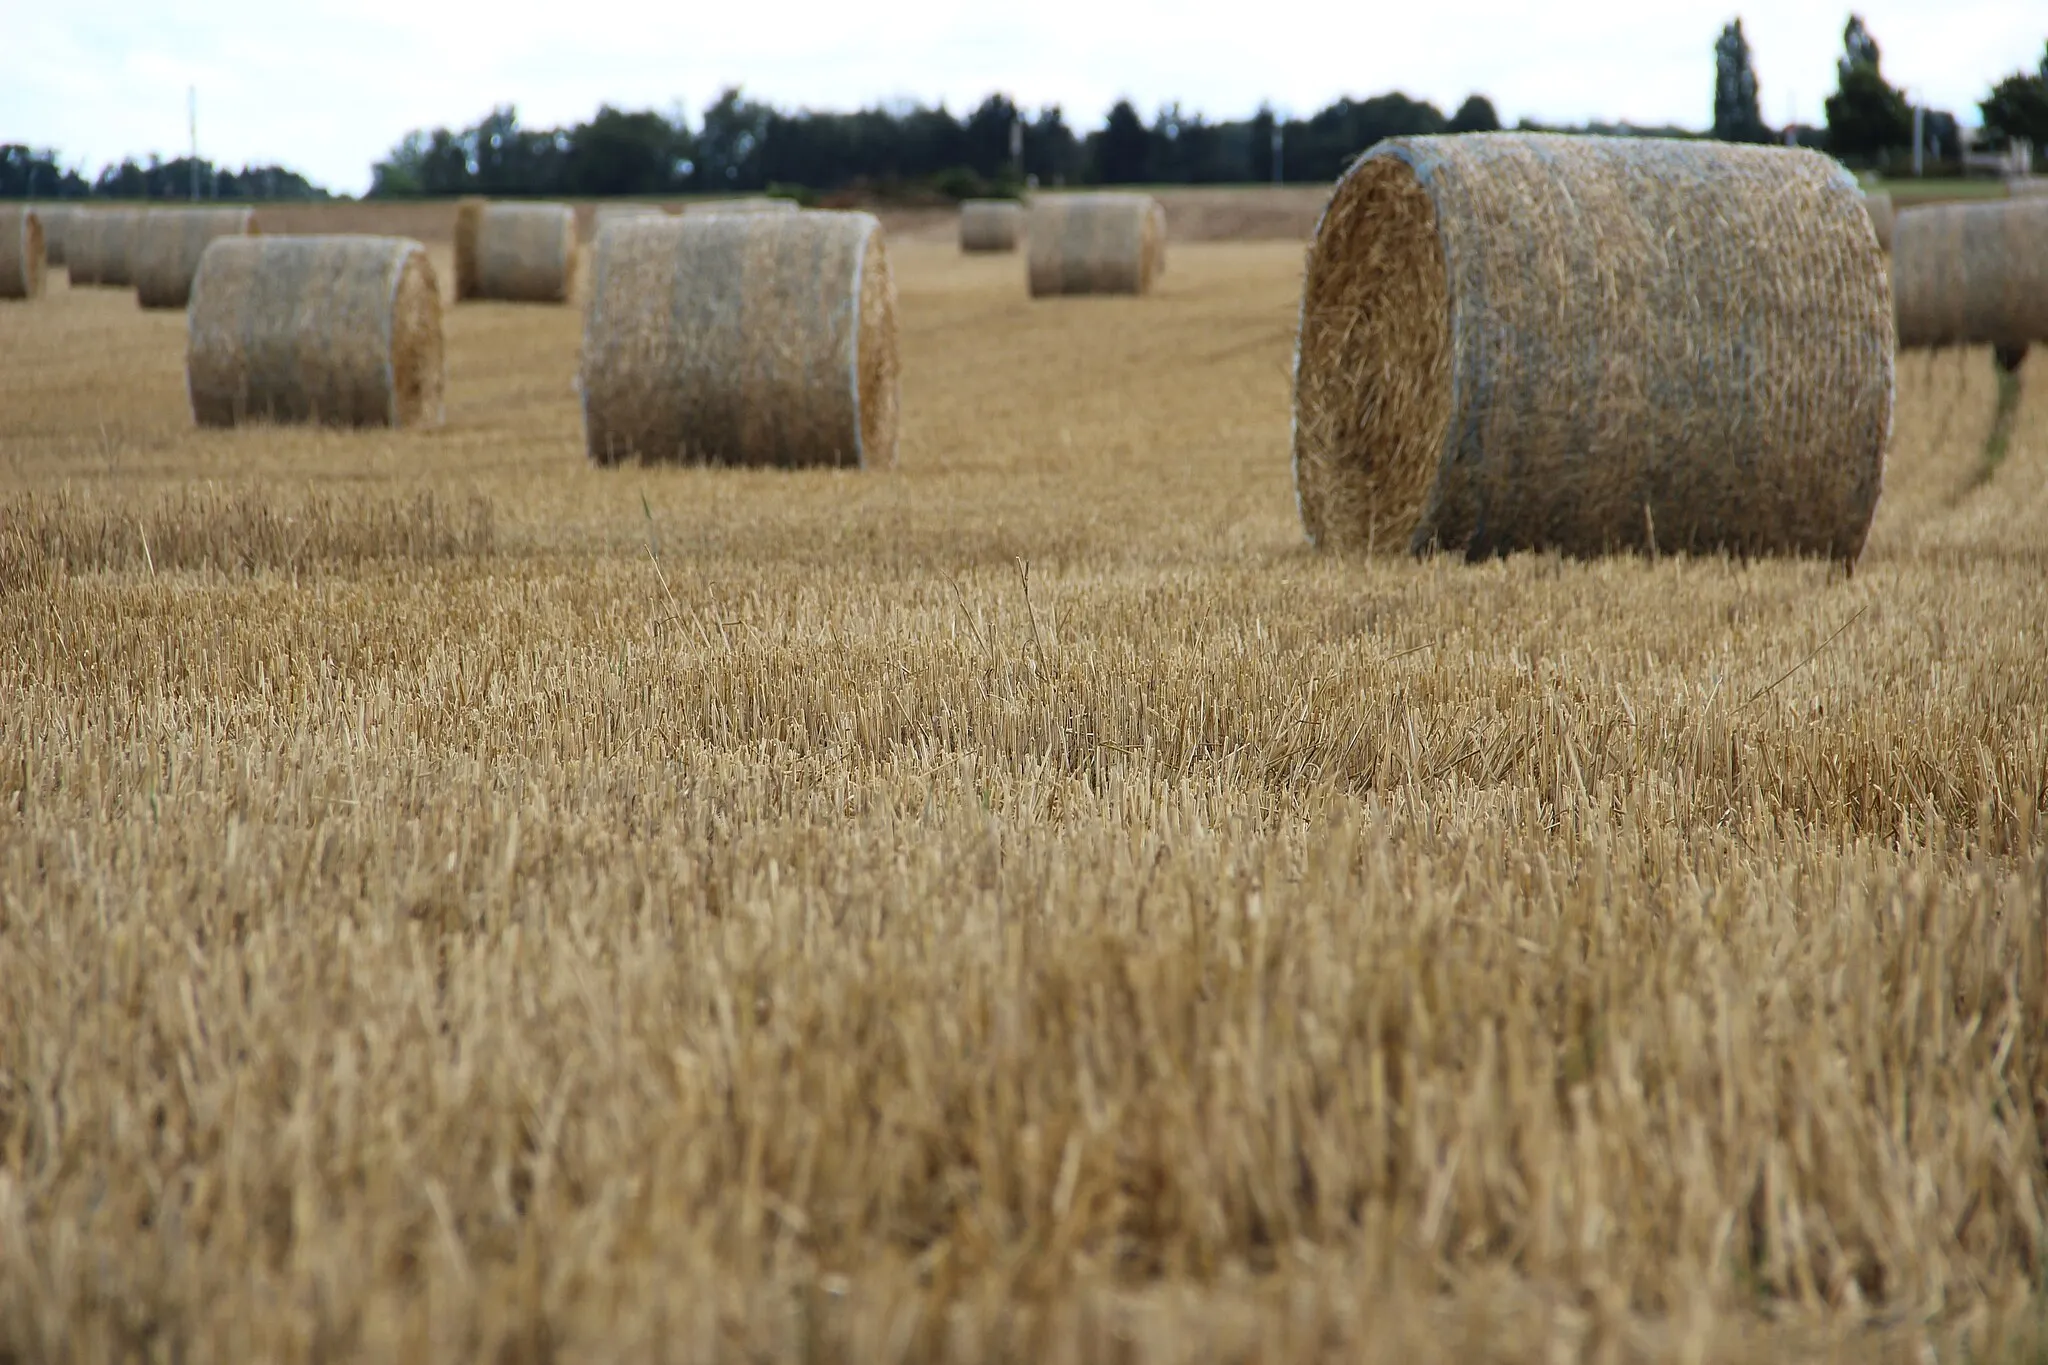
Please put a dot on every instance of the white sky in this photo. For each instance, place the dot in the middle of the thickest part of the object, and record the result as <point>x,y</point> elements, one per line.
<point>327,86</point>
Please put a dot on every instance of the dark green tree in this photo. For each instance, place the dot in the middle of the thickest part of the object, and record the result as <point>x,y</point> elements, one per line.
<point>1475,115</point>
<point>986,136</point>
<point>2018,106</point>
<point>1738,116</point>
<point>622,153</point>
<point>730,144</point>
<point>1123,151</point>
<point>1866,117</point>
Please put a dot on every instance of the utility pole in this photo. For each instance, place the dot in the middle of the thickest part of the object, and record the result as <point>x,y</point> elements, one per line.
<point>192,126</point>
<point>1279,142</point>
<point>1919,141</point>
<point>1017,146</point>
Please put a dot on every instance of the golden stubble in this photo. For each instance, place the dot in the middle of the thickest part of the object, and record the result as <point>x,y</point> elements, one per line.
<point>460,902</point>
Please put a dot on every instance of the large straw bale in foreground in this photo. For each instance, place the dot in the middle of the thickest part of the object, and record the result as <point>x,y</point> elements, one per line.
<point>169,245</point>
<point>1973,274</point>
<point>1884,216</point>
<point>1095,244</point>
<point>1516,341</point>
<point>753,339</point>
<point>99,246</point>
<point>21,252</point>
<point>518,253</point>
<point>344,331</point>
<point>991,224</point>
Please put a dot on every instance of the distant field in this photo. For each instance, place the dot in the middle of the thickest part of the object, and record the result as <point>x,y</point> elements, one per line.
<point>1909,190</point>
<point>459,903</point>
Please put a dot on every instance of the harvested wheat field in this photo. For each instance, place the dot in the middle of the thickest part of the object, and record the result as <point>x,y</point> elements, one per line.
<point>458,902</point>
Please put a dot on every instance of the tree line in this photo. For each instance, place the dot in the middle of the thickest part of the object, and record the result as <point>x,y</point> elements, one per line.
<point>739,144</point>
<point>35,173</point>
<point>742,145</point>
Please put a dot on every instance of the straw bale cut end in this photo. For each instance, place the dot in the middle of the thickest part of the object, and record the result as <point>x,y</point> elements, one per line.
<point>469,215</point>
<point>343,331</point>
<point>1525,341</point>
<point>169,245</point>
<point>1094,244</point>
<point>21,253</point>
<point>745,339</point>
<point>1155,241</point>
<point>991,224</point>
<point>1972,274</point>
<point>1883,216</point>
<point>99,246</point>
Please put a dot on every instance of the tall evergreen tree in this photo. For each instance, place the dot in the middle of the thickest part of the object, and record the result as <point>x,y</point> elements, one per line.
<point>1737,115</point>
<point>1866,117</point>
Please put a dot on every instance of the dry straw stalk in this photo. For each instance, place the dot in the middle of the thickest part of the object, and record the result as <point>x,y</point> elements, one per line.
<point>344,331</point>
<point>1973,274</point>
<point>1095,244</point>
<point>99,246</point>
<point>1516,341</point>
<point>169,245</point>
<point>991,225</point>
<point>21,253</point>
<point>752,339</point>
<point>518,253</point>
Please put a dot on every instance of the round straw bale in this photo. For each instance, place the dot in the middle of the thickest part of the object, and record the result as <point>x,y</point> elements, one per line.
<point>169,245</point>
<point>748,339</point>
<point>1972,274</point>
<point>1525,341</point>
<point>99,246</point>
<point>1093,244</point>
<point>54,218</point>
<point>518,253</point>
<point>344,331</point>
<point>21,252</point>
<point>1882,216</point>
<point>990,224</point>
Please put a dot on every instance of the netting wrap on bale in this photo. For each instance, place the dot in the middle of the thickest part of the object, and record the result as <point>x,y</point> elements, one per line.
<point>99,246</point>
<point>517,253</point>
<point>1525,341</point>
<point>749,339</point>
<point>169,245</point>
<point>1972,274</point>
<point>21,252</point>
<point>344,331</point>
<point>1095,244</point>
<point>991,224</point>
<point>1884,216</point>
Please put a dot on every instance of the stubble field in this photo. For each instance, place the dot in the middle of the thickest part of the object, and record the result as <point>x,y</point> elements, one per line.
<point>459,903</point>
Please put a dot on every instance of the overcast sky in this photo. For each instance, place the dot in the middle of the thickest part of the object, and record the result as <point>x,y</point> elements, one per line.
<point>327,86</point>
